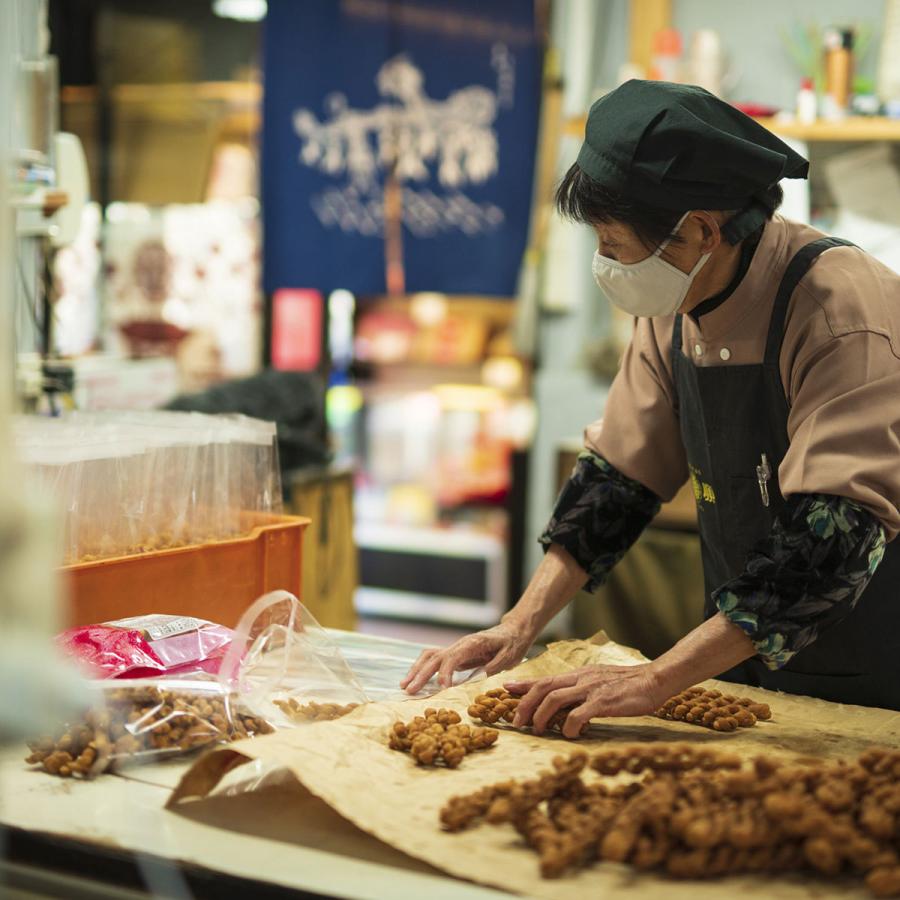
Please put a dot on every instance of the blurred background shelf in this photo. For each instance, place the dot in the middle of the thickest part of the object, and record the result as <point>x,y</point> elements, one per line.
<point>851,129</point>
<point>854,128</point>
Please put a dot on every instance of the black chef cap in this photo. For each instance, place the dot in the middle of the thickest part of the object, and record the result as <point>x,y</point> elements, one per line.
<point>678,147</point>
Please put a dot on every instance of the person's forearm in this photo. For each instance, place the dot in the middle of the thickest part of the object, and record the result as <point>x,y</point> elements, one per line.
<point>599,514</point>
<point>803,577</point>
<point>707,651</point>
<point>552,586</point>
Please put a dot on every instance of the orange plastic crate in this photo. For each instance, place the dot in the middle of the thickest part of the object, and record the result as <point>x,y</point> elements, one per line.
<point>215,581</point>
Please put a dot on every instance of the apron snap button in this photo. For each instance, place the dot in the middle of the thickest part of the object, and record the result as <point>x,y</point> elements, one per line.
<point>698,350</point>
<point>725,353</point>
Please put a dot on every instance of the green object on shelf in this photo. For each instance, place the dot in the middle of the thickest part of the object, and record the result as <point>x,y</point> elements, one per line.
<point>803,44</point>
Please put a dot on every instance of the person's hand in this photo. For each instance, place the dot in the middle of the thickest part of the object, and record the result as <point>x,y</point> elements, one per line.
<point>589,692</point>
<point>496,649</point>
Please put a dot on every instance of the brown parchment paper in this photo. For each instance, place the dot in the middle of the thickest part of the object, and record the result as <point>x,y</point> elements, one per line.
<point>348,764</point>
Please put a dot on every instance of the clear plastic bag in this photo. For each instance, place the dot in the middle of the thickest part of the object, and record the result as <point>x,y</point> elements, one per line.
<point>102,519</point>
<point>141,721</point>
<point>380,663</point>
<point>260,478</point>
<point>286,667</point>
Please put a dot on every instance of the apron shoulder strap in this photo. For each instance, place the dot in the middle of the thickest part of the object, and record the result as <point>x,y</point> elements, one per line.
<point>676,343</point>
<point>794,273</point>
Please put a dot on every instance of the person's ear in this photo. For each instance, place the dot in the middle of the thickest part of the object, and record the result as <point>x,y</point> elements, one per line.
<point>710,232</point>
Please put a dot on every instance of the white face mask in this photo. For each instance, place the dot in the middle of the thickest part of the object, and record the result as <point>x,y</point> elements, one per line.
<point>651,287</point>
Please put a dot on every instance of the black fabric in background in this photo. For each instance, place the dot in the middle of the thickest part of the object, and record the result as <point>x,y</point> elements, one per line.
<point>72,26</point>
<point>295,401</point>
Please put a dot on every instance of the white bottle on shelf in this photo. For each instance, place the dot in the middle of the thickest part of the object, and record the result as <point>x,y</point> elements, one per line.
<point>806,102</point>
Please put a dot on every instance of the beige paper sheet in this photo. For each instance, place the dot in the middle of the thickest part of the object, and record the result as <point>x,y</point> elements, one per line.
<point>347,764</point>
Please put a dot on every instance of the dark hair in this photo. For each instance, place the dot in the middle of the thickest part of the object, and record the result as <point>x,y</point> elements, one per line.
<point>581,199</point>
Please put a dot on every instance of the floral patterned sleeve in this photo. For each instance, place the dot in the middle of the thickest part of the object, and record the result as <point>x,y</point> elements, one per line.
<point>805,576</point>
<point>599,514</point>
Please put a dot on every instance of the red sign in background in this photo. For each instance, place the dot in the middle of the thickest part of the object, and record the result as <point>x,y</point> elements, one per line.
<point>296,329</point>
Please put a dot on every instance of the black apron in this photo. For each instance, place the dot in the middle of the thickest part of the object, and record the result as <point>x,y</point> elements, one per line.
<point>732,417</point>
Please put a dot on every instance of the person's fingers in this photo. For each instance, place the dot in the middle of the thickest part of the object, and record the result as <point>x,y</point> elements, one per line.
<point>495,664</point>
<point>414,668</point>
<point>578,718</point>
<point>426,670</point>
<point>504,658</point>
<point>451,661</point>
<point>523,685</point>
<point>552,702</point>
<point>423,675</point>
<point>536,693</point>
<point>476,650</point>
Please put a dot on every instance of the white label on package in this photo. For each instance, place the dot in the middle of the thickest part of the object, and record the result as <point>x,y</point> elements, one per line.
<point>155,628</point>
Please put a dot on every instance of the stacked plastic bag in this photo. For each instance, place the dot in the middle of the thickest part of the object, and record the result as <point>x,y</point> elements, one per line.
<point>135,482</point>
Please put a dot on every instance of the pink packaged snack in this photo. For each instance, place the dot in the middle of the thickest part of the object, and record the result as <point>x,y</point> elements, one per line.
<point>147,647</point>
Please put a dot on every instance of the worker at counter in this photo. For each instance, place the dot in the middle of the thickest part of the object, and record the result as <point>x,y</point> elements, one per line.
<point>765,367</point>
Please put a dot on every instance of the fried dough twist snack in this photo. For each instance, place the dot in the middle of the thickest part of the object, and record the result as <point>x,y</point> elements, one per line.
<point>710,709</point>
<point>498,705</point>
<point>439,736</point>
<point>701,813</point>
<point>313,712</point>
<point>713,709</point>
